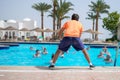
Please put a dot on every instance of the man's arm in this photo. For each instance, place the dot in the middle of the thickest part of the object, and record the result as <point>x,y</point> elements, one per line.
<point>81,30</point>
<point>80,34</point>
<point>60,33</point>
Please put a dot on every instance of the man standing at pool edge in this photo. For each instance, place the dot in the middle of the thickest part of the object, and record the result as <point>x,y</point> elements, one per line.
<point>72,32</point>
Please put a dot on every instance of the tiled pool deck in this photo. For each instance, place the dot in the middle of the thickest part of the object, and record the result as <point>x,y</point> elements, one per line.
<point>59,73</point>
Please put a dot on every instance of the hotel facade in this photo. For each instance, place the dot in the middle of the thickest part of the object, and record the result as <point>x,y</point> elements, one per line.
<point>10,29</point>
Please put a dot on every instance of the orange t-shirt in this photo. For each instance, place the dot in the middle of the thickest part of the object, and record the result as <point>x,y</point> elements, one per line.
<point>72,28</point>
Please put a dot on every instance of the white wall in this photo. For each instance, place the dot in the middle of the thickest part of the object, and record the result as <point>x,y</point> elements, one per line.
<point>25,23</point>
<point>2,24</point>
<point>12,23</point>
<point>28,23</point>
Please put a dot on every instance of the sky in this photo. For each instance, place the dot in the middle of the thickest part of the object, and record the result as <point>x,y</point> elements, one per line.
<point>20,9</point>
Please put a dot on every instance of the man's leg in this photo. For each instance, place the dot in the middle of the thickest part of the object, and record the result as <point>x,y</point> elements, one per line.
<point>56,55</point>
<point>78,45</point>
<point>55,58</point>
<point>88,58</point>
<point>86,55</point>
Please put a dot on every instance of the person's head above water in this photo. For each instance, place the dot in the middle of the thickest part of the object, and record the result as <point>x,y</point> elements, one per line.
<point>75,17</point>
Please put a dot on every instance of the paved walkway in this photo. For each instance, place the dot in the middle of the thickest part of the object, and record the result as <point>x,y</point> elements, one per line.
<point>59,73</point>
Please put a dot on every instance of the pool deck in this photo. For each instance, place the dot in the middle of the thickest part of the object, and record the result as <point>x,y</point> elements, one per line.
<point>59,73</point>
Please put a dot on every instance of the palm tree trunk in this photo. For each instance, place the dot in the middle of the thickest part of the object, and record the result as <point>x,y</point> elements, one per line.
<point>57,24</point>
<point>54,11</point>
<point>96,35</point>
<point>42,23</point>
<point>54,24</point>
<point>60,23</point>
<point>93,28</point>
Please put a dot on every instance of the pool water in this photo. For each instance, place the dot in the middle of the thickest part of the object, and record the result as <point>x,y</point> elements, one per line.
<point>22,56</point>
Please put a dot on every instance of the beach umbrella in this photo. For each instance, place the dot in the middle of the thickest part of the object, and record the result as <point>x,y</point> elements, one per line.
<point>96,32</point>
<point>24,29</point>
<point>89,31</point>
<point>57,30</point>
<point>10,28</point>
<point>1,28</point>
<point>38,30</point>
<point>48,30</point>
<point>92,32</point>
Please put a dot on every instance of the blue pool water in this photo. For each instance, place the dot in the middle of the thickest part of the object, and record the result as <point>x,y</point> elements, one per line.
<point>22,56</point>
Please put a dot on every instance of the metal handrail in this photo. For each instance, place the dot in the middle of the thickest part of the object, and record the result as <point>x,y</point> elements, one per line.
<point>117,52</point>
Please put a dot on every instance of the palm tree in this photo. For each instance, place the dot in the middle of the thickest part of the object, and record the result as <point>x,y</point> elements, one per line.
<point>42,7</point>
<point>98,8</point>
<point>55,3</point>
<point>92,17</point>
<point>62,9</point>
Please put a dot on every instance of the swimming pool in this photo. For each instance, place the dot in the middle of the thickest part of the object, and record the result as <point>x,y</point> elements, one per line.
<point>22,56</point>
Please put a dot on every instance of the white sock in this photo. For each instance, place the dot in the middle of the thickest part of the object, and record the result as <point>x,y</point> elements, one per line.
<point>90,63</point>
<point>52,63</point>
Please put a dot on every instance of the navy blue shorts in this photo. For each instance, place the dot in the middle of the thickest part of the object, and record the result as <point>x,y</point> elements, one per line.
<point>66,42</point>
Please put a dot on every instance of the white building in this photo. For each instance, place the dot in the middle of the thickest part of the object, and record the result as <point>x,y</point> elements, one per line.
<point>2,24</point>
<point>29,25</point>
<point>10,29</point>
<point>12,23</point>
<point>25,24</point>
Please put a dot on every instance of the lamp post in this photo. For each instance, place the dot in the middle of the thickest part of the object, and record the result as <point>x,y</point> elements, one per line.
<point>116,56</point>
